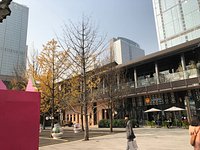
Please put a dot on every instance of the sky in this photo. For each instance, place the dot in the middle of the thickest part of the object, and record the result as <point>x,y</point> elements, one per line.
<point>132,19</point>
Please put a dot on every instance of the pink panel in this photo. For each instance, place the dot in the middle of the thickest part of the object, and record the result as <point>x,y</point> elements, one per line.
<point>19,120</point>
<point>30,86</point>
<point>2,85</point>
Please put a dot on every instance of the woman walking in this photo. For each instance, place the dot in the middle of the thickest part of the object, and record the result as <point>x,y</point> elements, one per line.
<point>194,131</point>
<point>131,143</point>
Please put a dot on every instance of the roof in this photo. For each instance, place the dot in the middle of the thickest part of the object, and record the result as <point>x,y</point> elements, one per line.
<point>129,41</point>
<point>163,53</point>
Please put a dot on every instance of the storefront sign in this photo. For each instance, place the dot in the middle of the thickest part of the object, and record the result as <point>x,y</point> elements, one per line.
<point>147,100</point>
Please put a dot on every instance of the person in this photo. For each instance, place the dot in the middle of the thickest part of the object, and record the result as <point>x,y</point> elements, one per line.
<point>130,135</point>
<point>194,128</point>
<point>169,121</point>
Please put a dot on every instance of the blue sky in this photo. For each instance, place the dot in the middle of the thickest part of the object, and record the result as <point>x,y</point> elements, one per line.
<point>132,19</point>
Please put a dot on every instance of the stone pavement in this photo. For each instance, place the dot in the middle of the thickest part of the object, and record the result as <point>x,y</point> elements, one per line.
<point>147,139</point>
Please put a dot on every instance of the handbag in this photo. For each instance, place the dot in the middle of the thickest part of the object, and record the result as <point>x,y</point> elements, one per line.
<point>193,138</point>
<point>135,146</point>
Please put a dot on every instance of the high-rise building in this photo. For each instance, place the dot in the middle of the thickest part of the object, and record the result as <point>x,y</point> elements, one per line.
<point>13,34</point>
<point>124,50</point>
<point>177,21</point>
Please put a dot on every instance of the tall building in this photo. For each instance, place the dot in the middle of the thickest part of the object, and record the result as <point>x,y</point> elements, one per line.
<point>13,34</point>
<point>177,21</point>
<point>124,50</point>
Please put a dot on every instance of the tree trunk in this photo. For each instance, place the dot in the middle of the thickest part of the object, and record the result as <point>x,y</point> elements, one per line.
<point>111,117</point>
<point>86,133</point>
<point>82,126</point>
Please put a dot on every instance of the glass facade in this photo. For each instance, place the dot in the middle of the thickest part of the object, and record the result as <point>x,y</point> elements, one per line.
<point>177,21</point>
<point>13,34</point>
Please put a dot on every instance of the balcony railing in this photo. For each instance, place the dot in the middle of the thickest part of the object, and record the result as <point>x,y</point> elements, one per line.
<point>146,82</point>
<point>170,77</point>
<point>167,81</point>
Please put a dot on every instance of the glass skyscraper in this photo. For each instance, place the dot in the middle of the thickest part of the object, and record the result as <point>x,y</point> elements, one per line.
<point>177,21</point>
<point>13,34</point>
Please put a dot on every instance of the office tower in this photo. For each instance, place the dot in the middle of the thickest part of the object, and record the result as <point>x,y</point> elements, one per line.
<point>13,34</point>
<point>124,50</point>
<point>177,21</point>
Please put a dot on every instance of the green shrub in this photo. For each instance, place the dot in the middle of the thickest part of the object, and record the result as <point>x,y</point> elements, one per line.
<point>151,123</point>
<point>104,123</point>
<point>185,124</point>
<point>165,123</point>
<point>117,123</point>
<point>134,123</point>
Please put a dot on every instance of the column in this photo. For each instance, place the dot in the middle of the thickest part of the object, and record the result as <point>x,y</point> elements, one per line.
<point>118,82</point>
<point>135,77</point>
<point>183,66</point>
<point>157,73</point>
<point>103,86</point>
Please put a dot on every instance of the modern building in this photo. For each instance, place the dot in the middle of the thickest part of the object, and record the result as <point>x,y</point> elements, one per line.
<point>159,80</point>
<point>124,50</point>
<point>177,21</point>
<point>13,35</point>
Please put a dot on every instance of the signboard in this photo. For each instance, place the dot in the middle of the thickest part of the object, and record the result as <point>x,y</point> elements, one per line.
<point>147,100</point>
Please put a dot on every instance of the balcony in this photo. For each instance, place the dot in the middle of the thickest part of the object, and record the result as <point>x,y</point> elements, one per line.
<point>168,81</point>
<point>146,82</point>
<point>170,77</point>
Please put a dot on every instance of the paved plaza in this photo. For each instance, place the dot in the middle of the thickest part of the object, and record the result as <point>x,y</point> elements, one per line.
<point>147,139</point>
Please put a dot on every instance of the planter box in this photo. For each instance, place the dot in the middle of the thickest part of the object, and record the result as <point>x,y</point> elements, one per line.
<point>57,135</point>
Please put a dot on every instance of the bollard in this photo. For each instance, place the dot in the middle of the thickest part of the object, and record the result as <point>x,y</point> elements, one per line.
<point>77,128</point>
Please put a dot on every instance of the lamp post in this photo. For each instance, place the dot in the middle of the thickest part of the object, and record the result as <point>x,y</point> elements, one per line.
<point>49,118</point>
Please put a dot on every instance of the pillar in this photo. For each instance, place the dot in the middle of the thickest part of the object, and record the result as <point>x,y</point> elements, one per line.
<point>157,73</point>
<point>135,77</point>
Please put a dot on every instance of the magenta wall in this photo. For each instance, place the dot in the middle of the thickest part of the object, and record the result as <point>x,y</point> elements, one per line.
<point>19,120</point>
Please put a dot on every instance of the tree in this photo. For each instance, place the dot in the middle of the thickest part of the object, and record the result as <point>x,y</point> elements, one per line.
<point>110,88</point>
<point>84,47</point>
<point>33,72</point>
<point>19,81</point>
<point>47,70</point>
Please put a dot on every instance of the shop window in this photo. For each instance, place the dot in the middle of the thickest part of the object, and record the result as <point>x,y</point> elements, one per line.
<point>133,102</point>
<point>166,98</point>
<point>173,100</point>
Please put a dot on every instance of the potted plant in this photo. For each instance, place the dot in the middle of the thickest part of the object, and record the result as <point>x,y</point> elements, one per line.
<point>57,131</point>
<point>77,128</point>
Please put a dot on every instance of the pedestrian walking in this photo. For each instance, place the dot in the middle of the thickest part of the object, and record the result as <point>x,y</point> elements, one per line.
<point>131,142</point>
<point>194,131</point>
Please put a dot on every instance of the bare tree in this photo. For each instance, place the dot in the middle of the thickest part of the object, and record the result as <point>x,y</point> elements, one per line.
<point>19,81</point>
<point>109,89</point>
<point>112,87</point>
<point>84,47</point>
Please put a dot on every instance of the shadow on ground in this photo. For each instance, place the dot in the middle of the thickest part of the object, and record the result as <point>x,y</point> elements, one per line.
<point>69,135</point>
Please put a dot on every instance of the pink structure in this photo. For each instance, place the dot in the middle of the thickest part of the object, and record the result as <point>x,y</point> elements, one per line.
<point>2,85</point>
<point>19,120</point>
<point>31,87</point>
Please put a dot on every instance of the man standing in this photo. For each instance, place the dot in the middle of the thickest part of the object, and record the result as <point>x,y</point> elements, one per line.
<point>131,144</point>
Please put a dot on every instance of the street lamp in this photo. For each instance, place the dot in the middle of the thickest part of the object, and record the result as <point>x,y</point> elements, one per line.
<point>49,118</point>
